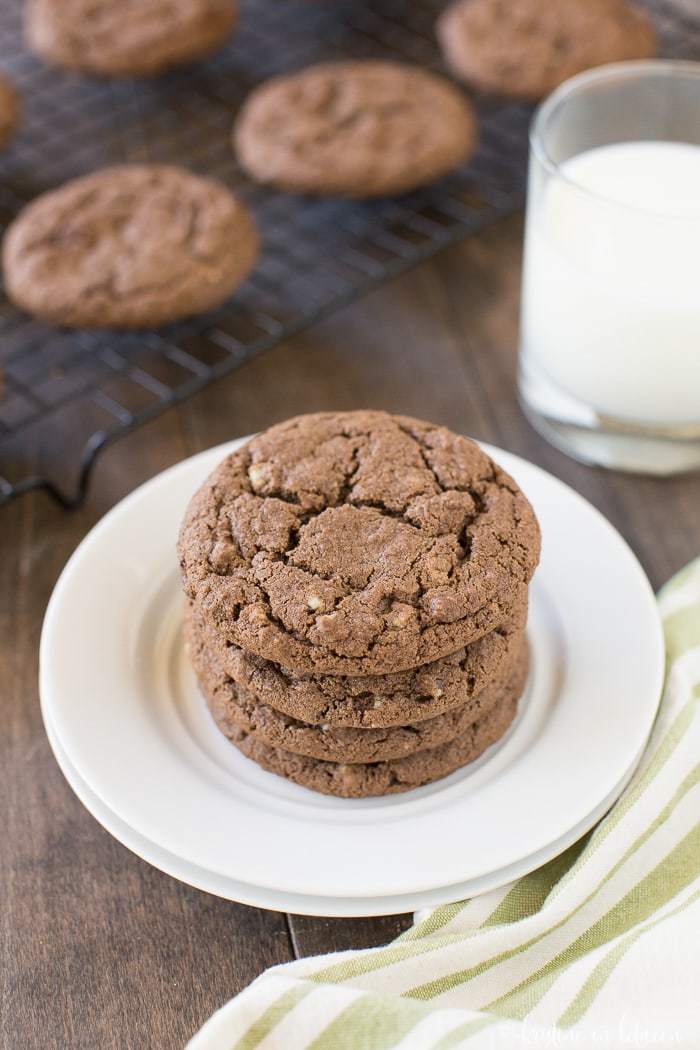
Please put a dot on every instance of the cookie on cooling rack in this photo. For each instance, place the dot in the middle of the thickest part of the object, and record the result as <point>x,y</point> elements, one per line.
<point>128,247</point>
<point>354,129</point>
<point>128,38</point>
<point>525,48</point>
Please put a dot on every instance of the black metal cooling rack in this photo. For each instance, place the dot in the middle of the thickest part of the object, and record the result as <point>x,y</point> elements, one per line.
<point>68,394</point>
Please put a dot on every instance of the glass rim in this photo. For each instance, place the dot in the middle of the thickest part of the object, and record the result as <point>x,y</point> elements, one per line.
<point>651,67</point>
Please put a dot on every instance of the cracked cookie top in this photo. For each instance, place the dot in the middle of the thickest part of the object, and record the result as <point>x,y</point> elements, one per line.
<point>354,129</point>
<point>357,543</point>
<point>526,48</point>
<point>128,38</point>
<point>129,246</point>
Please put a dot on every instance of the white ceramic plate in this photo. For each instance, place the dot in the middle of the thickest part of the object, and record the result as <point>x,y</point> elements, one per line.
<point>338,907</point>
<point>125,709</point>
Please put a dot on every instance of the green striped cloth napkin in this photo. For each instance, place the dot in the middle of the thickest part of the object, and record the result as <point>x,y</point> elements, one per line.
<point>600,947</point>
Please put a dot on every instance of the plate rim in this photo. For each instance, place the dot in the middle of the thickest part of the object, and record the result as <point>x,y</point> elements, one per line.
<point>332,907</point>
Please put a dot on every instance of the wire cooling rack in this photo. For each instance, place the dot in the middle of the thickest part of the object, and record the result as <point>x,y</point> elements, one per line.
<point>68,394</point>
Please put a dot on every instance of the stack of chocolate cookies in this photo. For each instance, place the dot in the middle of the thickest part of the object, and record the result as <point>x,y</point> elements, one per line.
<point>357,598</point>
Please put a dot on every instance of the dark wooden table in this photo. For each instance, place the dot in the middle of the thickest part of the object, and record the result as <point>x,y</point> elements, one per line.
<point>98,948</point>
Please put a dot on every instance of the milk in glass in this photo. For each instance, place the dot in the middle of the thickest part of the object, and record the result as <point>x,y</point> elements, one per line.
<point>611,293</point>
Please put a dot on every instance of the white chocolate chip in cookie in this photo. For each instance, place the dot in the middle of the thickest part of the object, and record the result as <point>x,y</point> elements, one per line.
<point>257,615</point>
<point>400,615</point>
<point>315,603</point>
<point>259,475</point>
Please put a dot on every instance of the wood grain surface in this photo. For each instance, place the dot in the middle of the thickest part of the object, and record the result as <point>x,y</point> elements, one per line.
<point>98,948</point>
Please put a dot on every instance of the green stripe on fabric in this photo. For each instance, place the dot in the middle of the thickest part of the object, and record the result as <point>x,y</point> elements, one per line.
<point>595,981</point>
<point>371,1021</point>
<point>598,977</point>
<point>434,922</point>
<point>680,867</point>
<point>443,984</point>
<point>525,997</point>
<point>463,1032</point>
<point>529,893</point>
<point>271,1017</point>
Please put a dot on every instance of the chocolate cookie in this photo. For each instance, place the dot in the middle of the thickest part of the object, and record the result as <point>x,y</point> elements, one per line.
<point>8,111</point>
<point>381,778</point>
<point>525,48</point>
<point>126,247</point>
<point>357,543</point>
<point>369,701</point>
<point>235,709</point>
<point>129,38</point>
<point>354,129</point>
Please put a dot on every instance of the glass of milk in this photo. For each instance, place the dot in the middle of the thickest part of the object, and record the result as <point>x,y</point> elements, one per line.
<point>610,325</point>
